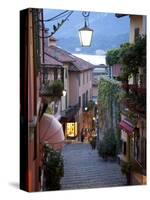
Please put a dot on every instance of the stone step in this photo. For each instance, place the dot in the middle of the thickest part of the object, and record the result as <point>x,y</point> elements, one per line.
<point>83,168</point>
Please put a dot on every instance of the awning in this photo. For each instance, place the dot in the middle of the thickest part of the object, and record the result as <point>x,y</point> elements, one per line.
<point>51,132</point>
<point>127,127</point>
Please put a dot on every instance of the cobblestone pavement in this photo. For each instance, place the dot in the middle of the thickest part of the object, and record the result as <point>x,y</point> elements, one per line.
<point>83,168</point>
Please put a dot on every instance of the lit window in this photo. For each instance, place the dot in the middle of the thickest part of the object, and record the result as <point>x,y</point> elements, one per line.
<point>71,129</point>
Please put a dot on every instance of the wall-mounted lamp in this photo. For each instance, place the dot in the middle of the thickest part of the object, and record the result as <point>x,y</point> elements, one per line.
<point>86,108</point>
<point>94,118</point>
<point>85,33</point>
<point>64,92</point>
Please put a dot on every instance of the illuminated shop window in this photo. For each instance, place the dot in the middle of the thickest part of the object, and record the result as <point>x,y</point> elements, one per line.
<point>71,129</point>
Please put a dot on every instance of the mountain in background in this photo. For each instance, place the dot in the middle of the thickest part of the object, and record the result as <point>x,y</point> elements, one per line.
<point>109,31</point>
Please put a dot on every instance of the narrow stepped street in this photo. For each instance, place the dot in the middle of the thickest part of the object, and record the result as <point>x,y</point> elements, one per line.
<point>83,168</point>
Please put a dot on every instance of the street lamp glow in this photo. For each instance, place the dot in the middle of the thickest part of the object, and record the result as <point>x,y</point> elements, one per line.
<point>85,36</point>
<point>85,33</point>
<point>64,92</point>
<point>85,108</point>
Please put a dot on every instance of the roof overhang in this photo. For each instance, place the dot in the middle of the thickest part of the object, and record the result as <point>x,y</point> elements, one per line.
<point>120,15</point>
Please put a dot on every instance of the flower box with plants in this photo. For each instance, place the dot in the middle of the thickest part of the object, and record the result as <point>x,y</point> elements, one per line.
<point>125,86</point>
<point>141,90</point>
<point>53,90</point>
<point>133,88</point>
<point>140,109</point>
<point>129,103</point>
<point>132,106</point>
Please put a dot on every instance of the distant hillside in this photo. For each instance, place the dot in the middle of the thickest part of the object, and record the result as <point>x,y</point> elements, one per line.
<point>100,44</point>
<point>109,31</point>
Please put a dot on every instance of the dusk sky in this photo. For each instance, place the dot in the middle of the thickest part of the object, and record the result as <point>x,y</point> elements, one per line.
<point>106,27</point>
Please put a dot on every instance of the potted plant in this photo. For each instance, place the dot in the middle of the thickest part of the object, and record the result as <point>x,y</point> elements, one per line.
<point>125,86</point>
<point>133,87</point>
<point>142,91</point>
<point>126,168</point>
<point>107,147</point>
<point>53,168</point>
<point>52,90</point>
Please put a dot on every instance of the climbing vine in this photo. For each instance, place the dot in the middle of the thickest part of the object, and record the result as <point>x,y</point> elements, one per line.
<point>112,57</point>
<point>131,57</point>
<point>108,88</point>
<point>109,95</point>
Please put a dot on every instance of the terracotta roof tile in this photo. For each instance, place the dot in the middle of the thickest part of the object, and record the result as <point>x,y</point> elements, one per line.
<point>73,68</point>
<point>81,64</point>
<point>50,61</point>
<point>76,63</point>
<point>59,54</point>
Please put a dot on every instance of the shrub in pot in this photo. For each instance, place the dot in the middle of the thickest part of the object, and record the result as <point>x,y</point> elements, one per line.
<point>107,148</point>
<point>126,168</point>
<point>53,168</point>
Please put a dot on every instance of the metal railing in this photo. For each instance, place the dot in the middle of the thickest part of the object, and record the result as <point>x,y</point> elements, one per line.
<point>70,111</point>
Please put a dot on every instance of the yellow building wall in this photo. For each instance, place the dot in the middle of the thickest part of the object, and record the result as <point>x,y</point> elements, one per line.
<point>136,21</point>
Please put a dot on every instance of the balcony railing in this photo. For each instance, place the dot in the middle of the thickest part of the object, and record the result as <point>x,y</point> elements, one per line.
<point>135,105</point>
<point>70,111</point>
<point>135,88</point>
<point>135,98</point>
<point>128,114</point>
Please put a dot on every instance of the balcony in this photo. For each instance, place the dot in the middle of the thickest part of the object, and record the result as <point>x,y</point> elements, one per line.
<point>135,98</point>
<point>134,88</point>
<point>70,112</point>
<point>52,90</point>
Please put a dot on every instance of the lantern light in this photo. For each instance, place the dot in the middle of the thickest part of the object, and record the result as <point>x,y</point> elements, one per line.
<point>85,33</point>
<point>64,92</point>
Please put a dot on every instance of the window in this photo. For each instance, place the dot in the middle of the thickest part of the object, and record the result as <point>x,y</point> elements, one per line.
<point>83,100</point>
<point>45,78</point>
<point>136,33</point>
<point>83,78</point>
<point>79,79</point>
<point>51,75</point>
<point>90,75</point>
<point>55,74</point>
<point>86,98</point>
<point>66,100</point>
<point>62,75</point>
<point>124,148</point>
<point>90,93</point>
<point>59,74</point>
<point>79,101</point>
<point>137,144</point>
<point>66,73</point>
<point>87,77</point>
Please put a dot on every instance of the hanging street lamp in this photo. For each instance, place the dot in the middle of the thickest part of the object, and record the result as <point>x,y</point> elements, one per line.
<point>85,33</point>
